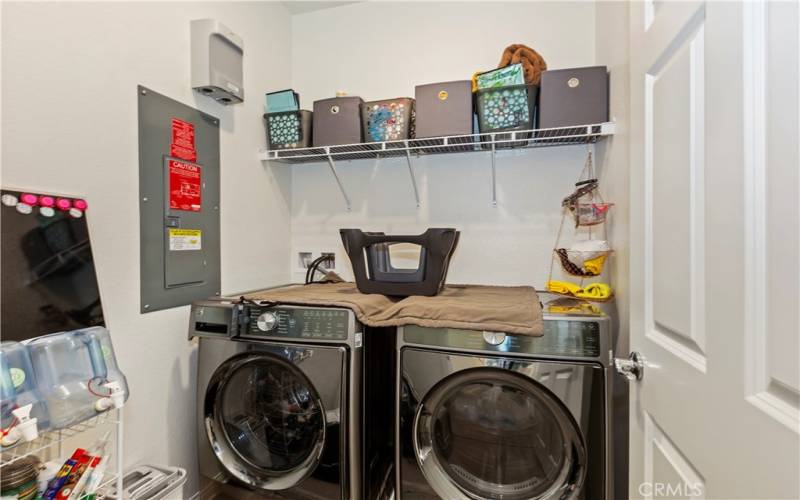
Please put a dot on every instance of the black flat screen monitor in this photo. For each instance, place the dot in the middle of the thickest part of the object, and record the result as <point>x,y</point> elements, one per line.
<point>47,272</point>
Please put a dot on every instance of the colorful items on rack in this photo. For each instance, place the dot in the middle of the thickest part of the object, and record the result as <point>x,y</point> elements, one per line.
<point>80,475</point>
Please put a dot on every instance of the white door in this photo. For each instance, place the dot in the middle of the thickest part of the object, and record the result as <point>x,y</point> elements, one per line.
<point>715,291</point>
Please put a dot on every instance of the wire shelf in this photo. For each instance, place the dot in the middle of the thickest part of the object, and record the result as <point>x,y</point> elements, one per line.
<point>482,142</point>
<point>49,439</point>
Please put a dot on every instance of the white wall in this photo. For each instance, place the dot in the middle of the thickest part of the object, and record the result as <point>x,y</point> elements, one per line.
<point>69,110</point>
<point>383,49</point>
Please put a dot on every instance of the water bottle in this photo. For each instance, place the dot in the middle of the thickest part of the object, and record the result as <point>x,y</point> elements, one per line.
<point>18,390</point>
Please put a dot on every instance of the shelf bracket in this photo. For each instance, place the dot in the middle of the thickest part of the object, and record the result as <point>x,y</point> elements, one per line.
<point>494,173</point>
<point>332,166</point>
<point>411,172</point>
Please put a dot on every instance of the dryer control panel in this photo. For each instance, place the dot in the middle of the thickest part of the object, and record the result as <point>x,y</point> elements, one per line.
<point>297,322</point>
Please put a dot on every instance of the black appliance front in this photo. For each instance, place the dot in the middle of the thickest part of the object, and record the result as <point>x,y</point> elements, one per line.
<point>296,419</point>
<point>274,420</point>
<point>476,427</point>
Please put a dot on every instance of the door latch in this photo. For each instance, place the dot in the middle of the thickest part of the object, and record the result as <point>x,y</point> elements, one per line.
<point>631,368</point>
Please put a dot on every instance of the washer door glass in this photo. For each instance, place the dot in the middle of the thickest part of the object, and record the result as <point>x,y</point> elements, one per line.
<point>267,423</point>
<point>491,433</point>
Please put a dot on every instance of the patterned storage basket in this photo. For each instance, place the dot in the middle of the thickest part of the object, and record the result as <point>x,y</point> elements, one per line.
<point>288,129</point>
<point>388,120</point>
<point>506,109</point>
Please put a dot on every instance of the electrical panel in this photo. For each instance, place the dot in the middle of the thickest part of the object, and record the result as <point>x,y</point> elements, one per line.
<point>179,182</point>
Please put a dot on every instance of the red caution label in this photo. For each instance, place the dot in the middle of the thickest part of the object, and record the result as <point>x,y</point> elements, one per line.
<point>183,145</point>
<point>185,186</point>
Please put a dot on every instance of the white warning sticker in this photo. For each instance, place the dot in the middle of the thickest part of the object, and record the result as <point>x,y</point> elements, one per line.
<point>185,239</point>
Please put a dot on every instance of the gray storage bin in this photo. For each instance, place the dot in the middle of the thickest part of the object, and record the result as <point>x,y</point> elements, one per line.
<point>288,129</point>
<point>444,109</point>
<point>575,96</point>
<point>388,120</point>
<point>337,121</point>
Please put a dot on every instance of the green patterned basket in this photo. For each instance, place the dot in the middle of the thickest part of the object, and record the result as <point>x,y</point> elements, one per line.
<point>507,109</point>
<point>288,129</point>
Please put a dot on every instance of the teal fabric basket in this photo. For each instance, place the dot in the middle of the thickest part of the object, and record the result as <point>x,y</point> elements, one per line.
<point>505,109</point>
<point>288,129</point>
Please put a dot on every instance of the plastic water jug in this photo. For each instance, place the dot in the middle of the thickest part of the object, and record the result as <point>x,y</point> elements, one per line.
<point>74,370</point>
<point>18,388</point>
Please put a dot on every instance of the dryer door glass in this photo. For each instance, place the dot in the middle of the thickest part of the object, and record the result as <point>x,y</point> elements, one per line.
<point>491,433</point>
<point>270,419</point>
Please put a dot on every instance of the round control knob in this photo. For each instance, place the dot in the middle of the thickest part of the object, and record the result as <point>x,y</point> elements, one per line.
<point>494,338</point>
<point>267,321</point>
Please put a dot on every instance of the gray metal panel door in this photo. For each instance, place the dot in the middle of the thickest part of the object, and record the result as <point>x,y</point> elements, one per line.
<point>178,203</point>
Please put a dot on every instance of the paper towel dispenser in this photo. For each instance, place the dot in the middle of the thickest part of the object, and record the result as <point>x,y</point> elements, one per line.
<point>217,61</point>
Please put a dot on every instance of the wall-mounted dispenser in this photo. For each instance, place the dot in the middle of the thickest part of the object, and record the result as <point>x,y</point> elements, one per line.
<point>217,61</point>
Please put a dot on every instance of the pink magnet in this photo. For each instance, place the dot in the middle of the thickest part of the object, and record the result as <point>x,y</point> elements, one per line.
<point>80,204</point>
<point>47,201</point>
<point>63,204</point>
<point>29,199</point>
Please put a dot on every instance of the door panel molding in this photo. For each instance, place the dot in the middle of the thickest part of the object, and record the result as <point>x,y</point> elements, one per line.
<point>656,442</point>
<point>764,388</point>
<point>675,309</point>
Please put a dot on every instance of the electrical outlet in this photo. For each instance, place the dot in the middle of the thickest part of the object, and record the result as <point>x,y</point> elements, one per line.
<point>304,259</point>
<point>330,262</point>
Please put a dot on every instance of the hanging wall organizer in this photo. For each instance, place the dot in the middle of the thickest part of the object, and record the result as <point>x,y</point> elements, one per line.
<point>586,257</point>
<point>470,143</point>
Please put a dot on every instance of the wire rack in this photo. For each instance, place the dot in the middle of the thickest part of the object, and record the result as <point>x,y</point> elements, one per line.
<point>520,139</point>
<point>50,444</point>
<point>470,143</point>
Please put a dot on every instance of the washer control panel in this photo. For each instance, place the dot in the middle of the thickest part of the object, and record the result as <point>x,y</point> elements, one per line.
<point>299,323</point>
<point>584,338</point>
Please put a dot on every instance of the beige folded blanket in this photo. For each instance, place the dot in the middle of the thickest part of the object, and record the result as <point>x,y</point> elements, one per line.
<point>509,309</point>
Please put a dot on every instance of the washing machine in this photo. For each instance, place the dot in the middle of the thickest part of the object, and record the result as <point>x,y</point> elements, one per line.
<point>485,415</point>
<point>280,402</point>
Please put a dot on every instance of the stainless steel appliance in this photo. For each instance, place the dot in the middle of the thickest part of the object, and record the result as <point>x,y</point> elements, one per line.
<point>484,415</point>
<point>281,401</point>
